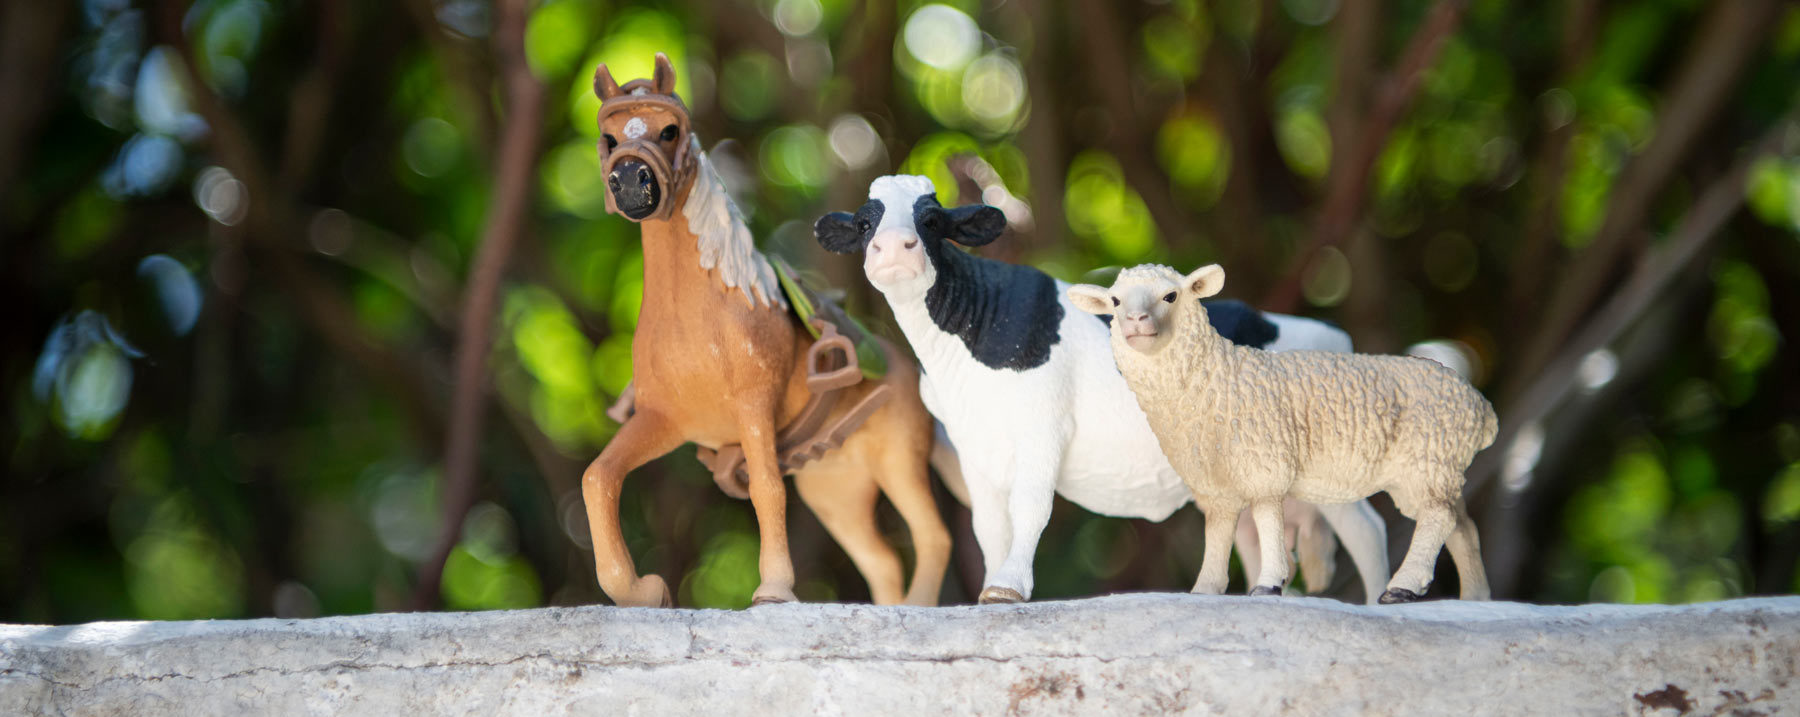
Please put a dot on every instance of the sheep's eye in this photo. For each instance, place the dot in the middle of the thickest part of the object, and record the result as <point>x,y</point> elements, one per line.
<point>611,143</point>
<point>1115,301</point>
<point>1169,297</point>
<point>862,226</point>
<point>670,132</point>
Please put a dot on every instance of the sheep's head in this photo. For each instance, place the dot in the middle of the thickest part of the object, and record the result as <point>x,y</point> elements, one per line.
<point>1148,301</point>
<point>903,231</point>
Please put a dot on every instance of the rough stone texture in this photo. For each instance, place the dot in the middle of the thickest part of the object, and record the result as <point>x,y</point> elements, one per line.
<point>1128,654</point>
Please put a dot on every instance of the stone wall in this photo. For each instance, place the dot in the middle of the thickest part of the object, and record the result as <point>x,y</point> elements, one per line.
<point>1126,654</point>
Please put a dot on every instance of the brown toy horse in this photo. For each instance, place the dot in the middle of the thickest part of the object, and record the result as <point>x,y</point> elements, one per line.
<point>718,359</point>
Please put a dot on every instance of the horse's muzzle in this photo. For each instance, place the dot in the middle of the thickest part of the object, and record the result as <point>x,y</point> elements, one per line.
<point>634,189</point>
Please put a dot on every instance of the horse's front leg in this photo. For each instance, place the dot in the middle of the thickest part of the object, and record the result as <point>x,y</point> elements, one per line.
<point>768,495</point>
<point>642,439</point>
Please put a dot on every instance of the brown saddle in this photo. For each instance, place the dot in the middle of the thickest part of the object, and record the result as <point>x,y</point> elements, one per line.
<point>831,367</point>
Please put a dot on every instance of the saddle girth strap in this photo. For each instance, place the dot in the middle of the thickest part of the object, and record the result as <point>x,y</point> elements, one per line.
<point>831,367</point>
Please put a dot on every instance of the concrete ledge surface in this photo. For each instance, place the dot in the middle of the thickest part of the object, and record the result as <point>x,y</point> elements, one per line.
<point>1123,654</point>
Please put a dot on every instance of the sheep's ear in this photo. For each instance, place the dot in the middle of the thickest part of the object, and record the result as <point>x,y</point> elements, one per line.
<point>1091,299</point>
<point>663,80</point>
<point>837,233</point>
<point>604,86</point>
<point>976,224</point>
<point>1206,280</point>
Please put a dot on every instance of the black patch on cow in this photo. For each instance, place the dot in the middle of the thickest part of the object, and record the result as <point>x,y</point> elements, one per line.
<point>1241,323</point>
<point>1238,322</point>
<point>1007,315</point>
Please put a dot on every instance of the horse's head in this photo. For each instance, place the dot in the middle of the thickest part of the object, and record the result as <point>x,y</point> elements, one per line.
<point>644,142</point>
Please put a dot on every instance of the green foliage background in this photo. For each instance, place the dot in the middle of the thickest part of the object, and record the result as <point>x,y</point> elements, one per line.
<point>277,448</point>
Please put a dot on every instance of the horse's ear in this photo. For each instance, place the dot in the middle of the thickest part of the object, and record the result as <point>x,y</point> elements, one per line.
<point>663,82</point>
<point>837,233</point>
<point>976,224</point>
<point>604,86</point>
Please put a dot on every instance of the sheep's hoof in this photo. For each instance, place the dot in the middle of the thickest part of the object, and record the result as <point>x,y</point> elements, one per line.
<point>1395,596</point>
<point>772,596</point>
<point>1264,591</point>
<point>999,596</point>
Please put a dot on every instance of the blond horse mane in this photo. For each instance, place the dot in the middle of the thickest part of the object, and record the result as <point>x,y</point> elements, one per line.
<point>725,242</point>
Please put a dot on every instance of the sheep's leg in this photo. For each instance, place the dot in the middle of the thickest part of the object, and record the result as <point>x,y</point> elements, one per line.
<point>1215,565</point>
<point>1315,544</point>
<point>1465,550</point>
<point>1362,532</point>
<point>1269,525</point>
<point>1435,523</point>
<point>1246,542</point>
<point>1033,492</point>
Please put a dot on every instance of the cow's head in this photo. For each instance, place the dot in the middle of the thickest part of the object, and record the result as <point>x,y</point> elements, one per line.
<point>902,232</point>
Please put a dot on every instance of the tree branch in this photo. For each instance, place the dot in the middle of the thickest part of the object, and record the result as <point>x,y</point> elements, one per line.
<point>1347,186</point>
<point>1696,230</point>
<point>1732,33</point>
<point>1579,22</point>
<point>507,216</point>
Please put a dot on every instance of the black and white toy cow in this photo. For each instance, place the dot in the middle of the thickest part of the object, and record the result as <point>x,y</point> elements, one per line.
<point>1026,386</point>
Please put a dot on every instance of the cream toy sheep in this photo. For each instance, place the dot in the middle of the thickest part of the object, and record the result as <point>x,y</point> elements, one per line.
<point>1249,427</point>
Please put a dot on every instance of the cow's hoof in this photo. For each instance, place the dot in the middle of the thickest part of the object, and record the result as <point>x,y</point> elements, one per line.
<point>1264,590</point>
<point>1395,596</point>
<point>999,596</point>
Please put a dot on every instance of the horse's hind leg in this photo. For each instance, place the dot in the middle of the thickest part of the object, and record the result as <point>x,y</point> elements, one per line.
<point>844,500</point>
<point>903,477</point>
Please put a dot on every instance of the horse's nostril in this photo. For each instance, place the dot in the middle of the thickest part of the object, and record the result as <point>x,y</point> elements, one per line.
<point>910,243</point>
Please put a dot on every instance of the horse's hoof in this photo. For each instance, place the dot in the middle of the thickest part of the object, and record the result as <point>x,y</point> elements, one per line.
<point>1264,591</point>
<point>648,591</point>
<point>997,595</point>
<point>761,601</point>
<point>1395,596</point>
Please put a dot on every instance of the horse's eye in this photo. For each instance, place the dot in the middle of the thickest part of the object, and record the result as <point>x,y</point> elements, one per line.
<point>611,143</point>
<point>1169,297</point>
<point>1115,301</point>
<point>670,132</point>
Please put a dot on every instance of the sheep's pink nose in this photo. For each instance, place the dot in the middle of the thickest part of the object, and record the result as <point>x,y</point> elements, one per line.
<point>1137,316</point>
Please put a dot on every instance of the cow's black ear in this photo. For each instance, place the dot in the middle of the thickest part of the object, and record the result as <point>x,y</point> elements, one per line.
<point>837,233</point>
<point>976,224</point>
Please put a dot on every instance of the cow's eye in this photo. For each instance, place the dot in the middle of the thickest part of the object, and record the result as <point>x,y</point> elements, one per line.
<point>670,132</point>
<point>611,143</point>
<point>1115,301</point>
<point>1169,297</point>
